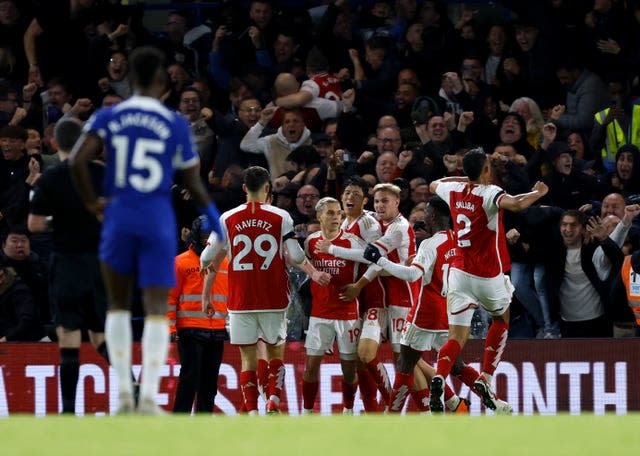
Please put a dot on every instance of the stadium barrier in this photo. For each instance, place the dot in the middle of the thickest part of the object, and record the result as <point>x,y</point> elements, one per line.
<point>535,377</point>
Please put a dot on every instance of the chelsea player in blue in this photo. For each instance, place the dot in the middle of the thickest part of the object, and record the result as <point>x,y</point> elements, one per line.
<point>145,144</point>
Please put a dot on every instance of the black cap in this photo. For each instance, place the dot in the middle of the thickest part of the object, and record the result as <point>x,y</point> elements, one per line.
<point>557,148</point>
<point>317,138</point>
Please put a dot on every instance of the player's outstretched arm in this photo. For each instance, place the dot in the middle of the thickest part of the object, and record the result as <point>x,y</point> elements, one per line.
<point>86,149</point>
<point>325,246</point>
<point>523,200</point>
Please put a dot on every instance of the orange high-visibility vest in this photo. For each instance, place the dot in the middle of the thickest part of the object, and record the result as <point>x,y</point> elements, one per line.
<point>184,302</point>
<point>631,280</point>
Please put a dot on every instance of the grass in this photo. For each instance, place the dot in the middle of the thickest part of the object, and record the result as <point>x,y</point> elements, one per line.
<point>583,435</point>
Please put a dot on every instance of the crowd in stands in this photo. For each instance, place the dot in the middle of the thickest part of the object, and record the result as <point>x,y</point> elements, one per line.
<point>393,91</point>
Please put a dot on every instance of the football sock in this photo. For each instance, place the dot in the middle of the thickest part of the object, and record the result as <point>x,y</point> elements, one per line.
<point>249,385</point>
<point>446,357</point>
<point>348,394</point>
<point>155,347</point>
<point>118,337</point>
<point>263,377</point>
<point>309,393</point>
<point>381,377</point>
<point>468,376</point>
<point>421,399</point>
<point>276,380</point>
<point>494,346</point>
<point>401,387</point>
<point>448,392</point>
<point>69,372</point>
<point>368,391</point>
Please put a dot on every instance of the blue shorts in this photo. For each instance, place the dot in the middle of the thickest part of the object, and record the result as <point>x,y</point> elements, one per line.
<point>148,252</point>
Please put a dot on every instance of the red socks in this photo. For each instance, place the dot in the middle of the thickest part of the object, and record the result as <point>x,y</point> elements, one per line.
<point>276,380</point>
<point>494,346</point>
<point>401,387</point>
<point>348,394</point>
<point>368,391</point>
<point>263,378</point>
<point>249,385</point>
<point>447,356</point>
<point>381,377</point>
<point>421,399</point>
<point>309,393</point>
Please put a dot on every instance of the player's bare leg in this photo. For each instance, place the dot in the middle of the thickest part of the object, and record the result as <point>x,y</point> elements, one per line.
<point>118,333</point>
<point>275,355</point>
<point>155,347</point>
<point>310,383</point>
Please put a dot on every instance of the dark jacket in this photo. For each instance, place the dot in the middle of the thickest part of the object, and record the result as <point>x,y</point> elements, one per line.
<point>19,318</point>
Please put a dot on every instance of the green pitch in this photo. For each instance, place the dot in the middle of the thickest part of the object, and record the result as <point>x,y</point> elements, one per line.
<point>328,436</point>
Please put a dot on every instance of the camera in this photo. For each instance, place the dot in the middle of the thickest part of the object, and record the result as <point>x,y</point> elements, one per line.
<point>419,225</point>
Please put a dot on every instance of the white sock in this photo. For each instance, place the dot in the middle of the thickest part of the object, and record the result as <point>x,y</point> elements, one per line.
<point>118,336</point>
<point>453,402</point>
<point>155,347</point>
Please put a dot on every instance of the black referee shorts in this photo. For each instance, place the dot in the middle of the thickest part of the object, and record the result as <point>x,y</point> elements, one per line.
<point>76,291</point>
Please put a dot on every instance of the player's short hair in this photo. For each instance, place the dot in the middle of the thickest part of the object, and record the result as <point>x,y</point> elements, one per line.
<point>317,61</point>
<point>320,205</point>
<point>357,181</point>
<point>144,63</point>
<point>386,187</point>
<point>255,177</point>
<point>66,132</point>
<point>439,206</point>
<point>473,163</point>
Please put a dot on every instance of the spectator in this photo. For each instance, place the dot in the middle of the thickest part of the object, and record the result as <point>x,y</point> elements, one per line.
<point>617,124</point>
<point>625,177</point>
<point>530,112</point>
<point>15,169</point>
<point>30,267</point>
<point>576,292</point>
<point>199,120</point>
<point>586,94</point>
<point>116,78</point>
<point>568,187</point>
<point>276,147</point>
<point>19,318</point>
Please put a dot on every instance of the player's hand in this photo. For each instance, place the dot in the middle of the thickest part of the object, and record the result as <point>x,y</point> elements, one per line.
<point>321,278</point>
<point>541,188</point>
<point>349,292</point>
<point>372,253</point>
<point>97,207</point>
<point>323,246</point>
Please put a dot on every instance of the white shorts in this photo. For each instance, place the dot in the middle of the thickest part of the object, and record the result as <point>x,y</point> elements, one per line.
<point>423,340</point>
<point>245,328</point>
<point>323,331</point>
<point>385,324</point>
<point>466,292</point>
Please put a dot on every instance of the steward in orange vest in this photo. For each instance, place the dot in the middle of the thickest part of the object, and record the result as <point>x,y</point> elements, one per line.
<point>625,292</point>
<point>200,338</point>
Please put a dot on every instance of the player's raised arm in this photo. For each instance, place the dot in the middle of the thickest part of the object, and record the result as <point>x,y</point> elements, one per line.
<point>523,200</point>
<point>86,149</point>
<point>433,185</point>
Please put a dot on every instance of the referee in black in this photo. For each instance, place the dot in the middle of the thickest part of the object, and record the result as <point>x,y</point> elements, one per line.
<point>77,295</point>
